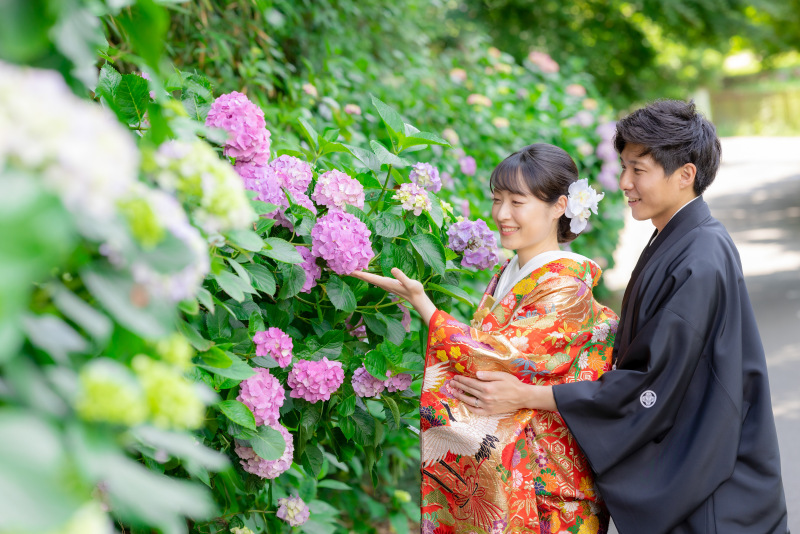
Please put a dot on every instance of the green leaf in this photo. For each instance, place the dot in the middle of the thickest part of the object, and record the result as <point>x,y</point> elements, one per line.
<point>263,279</point>
<point>312,460</point>
<point>182,445</point>
<point>342,297</point>
<point>131,97</point>
<point>376,365</point>
<point>436,214</point>
<point>452,291</point>
<point>312,413</point>
<point>193,336</point>
<point>394,329</point>
<point>389,225</point>
<point>365,427</point>
<point>294,276</point>
<point>98,325</point>
<point>431,250</point>
<point>264,225</point>
<point>375,324</point>
<point>233,285</point>
<point>329,345</point>
<point>386,157</point>
<point>366,157</point>
<point>347,406</point>
<point>255,323</point>
<point>281,250</point>
<point>392,119</point>
<point>421,138</point>
<point>238,370</point>
<point>238,413</point>
<point>268,443</point>
<point>333,484</point>
<point>245,239</point>
<point>395,411</point>
<point>216,357</point>
<point>263,208</point>
<point>310,133</point>
<point>108,82</point>
<point>396,255</point>
<point>150,318</point>
<point>353,210</point>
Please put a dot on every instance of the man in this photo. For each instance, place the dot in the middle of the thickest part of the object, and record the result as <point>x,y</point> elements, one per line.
<point>681,434</point>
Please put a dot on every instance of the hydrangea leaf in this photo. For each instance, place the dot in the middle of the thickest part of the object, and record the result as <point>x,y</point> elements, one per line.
<point>193,336</point>
<point>329,345</point>
<point>238,370</point>
<point>436,214</point>
<point>386,157</point>
<point>238,413</point>
<point>216,357</point>
<point>185,446</point>
<point>364,426</point>
<point>389,225</point>
<point>394,421</point>
<point>294,276</point>
<point>452,291</point>
<point>97,324</point>
<point>375,324</point>
<point>263,279</point>
<point>392,119</point>
<point>333,484</point>
<point>131,97</point>
<point>312,460</point>
<point>233,285</point>
<point>341,295</point>
<point>365,157</point>
<point>376,365</point>
<point>394,328</point>
<point>421,139</point>
<point>245,239</point>
<point>431,250</point>
<point>268,443</point>
<point>347,406</point>
<point>310,133</point>
<point>281,250</point>
<point>108,82</point>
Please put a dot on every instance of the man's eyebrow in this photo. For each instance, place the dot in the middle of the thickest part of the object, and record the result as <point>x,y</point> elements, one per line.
<point>632,161</point>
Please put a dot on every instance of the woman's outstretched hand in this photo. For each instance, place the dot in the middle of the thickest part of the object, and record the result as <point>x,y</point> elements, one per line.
<point>495,392</point>
<point>404,287</point>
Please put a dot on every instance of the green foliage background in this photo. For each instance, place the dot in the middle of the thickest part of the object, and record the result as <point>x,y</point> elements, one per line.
<point>65,306</point>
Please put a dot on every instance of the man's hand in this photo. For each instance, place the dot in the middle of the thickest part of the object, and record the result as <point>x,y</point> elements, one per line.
<point>495,392</point>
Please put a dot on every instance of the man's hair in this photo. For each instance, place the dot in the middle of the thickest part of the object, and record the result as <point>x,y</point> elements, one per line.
<point>673,133</point>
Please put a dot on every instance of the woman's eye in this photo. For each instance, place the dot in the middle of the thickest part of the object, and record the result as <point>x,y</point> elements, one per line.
<point>516,202</point>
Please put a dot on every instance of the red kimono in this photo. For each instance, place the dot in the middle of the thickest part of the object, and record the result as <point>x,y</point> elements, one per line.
<point>521,471</point>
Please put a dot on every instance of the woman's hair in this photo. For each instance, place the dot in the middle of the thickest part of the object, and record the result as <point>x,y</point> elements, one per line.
<point>673,133</point>
<point>542,170</point>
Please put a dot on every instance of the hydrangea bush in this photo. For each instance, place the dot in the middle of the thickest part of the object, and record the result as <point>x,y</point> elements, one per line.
<point>181,338</point>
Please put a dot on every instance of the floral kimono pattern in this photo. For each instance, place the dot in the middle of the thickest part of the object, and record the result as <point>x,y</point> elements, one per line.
<point>521,471</point>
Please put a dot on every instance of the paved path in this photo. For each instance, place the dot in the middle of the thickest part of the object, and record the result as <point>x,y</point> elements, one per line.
<point>757,197</point>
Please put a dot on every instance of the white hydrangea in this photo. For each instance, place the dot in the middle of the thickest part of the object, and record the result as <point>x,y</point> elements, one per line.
<point>83,153</point>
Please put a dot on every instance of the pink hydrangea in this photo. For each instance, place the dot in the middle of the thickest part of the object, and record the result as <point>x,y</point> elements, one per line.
<point>309,265</point>
<point>248,137</point>
<point>274,342</point>
<point>293,510</point>
<point>301,199</point>
<point>263,394</point>
<point>269,184</point>
<point>467,165</point>
<point>427,176</point>
<point>359,331</point>
<point>543,61</point>
<point>342,240</point>
<point>294,174</point>
<point>399,382</point>
<point>352,109</point>
<point>253,463</point>
<point>366,385</point>
<point>315,381</point>
<point>336,189</point>
<point>413,198</point>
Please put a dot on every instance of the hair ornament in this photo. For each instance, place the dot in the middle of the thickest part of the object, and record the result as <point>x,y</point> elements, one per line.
<point>581,203</point>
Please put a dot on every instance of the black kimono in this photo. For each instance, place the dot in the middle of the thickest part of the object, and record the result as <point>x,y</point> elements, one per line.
<point>681,434</point>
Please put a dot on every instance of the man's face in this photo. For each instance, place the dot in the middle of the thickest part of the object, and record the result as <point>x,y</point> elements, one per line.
<point>651,193</point>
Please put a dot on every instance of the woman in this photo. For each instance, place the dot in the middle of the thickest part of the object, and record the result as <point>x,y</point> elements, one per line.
<point>489,464</point>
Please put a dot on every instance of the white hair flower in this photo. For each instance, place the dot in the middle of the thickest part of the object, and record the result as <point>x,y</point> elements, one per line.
<point>581,203</point>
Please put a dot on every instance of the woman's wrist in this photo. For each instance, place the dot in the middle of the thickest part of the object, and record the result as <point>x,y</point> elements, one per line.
<point>425,307</point>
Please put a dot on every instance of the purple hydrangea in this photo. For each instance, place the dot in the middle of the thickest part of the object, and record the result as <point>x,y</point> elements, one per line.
<point>606,151</point>
<point>248,137</point>
<point>606,130</point>
<point>427,176</point>
<point>301,199</point>
<point>477,243</point>
<point>399,382</point>
<point>467,165</point>
<point>274,342</point>
<point>366,385</point>
<point>253,463</point>
<point>359,330</point>
<point>413,198</point>
<point>294,174</point>
<point>336,189</point>
<point>315,381</point>
<point>342,240</point>
<point>293,510</point>
<point>309,265</point>
<point>263,394</point>
<point>269,183</point>
<point>609,173</point>
<point>482,258</point>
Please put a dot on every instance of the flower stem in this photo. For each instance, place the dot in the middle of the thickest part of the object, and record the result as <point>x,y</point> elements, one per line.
<point>383,191</point>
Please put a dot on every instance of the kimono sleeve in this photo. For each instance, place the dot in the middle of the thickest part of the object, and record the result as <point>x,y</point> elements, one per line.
<point>648,427</point>
<point>505,347</point>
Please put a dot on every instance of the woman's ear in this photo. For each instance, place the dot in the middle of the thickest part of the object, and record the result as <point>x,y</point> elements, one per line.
<point>560,206</point>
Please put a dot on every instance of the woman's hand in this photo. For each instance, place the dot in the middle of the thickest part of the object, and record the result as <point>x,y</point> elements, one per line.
<point>495,392</point>
<point>404,287</point>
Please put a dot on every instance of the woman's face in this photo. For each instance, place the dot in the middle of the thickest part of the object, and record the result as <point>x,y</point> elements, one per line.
<point>527,225</point>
